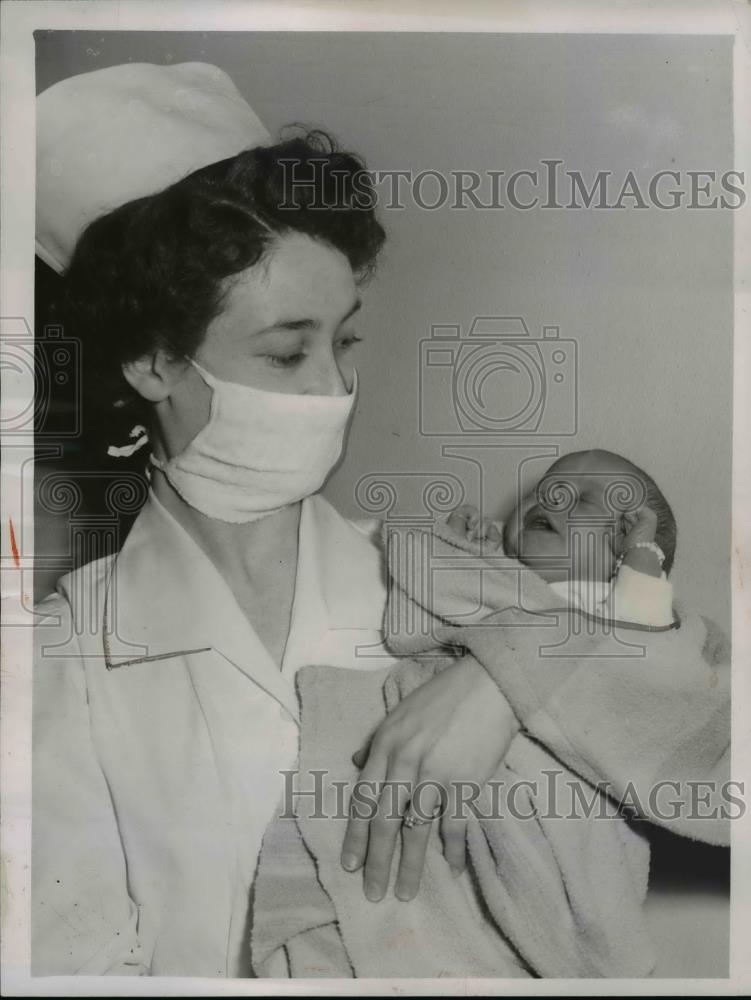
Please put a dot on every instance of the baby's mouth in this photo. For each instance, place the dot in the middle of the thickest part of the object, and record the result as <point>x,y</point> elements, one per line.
<point>536,520</point>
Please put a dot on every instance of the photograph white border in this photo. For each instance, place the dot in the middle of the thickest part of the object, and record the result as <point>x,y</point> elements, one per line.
<point>19,18</point>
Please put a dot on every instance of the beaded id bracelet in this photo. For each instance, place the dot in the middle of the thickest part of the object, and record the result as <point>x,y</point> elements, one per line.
<point>652,546</point>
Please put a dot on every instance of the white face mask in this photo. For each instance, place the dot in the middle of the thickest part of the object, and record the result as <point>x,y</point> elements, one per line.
<point>259,452</point>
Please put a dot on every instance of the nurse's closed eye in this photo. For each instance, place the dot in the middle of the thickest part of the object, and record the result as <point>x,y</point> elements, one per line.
<point>285,360</point>
<point>348,341</point>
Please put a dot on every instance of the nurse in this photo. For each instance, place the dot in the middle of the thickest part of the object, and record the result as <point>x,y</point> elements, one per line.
<point>216,299</point>
<point>213,279</point>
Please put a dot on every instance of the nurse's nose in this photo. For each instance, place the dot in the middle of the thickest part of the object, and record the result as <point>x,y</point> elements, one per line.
<point>326,379</point>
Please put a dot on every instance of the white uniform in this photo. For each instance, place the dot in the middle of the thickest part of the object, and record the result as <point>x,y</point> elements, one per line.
<point>161,725</point>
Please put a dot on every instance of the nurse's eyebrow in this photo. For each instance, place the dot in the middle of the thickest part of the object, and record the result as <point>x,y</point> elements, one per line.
<point>307,324</point>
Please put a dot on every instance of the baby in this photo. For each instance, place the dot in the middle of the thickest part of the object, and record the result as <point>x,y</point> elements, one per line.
<point>598,530</point>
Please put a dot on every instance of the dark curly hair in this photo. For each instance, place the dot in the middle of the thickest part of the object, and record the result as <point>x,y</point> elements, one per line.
<point>152,273</point>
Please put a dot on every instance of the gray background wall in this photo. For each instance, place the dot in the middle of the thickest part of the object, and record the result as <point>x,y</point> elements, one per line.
<point>647,295</point>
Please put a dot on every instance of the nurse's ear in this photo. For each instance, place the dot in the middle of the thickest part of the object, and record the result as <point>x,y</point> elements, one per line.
<point>155,375</point>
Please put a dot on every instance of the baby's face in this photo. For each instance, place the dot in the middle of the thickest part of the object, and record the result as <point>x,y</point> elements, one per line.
<point>565,528</point>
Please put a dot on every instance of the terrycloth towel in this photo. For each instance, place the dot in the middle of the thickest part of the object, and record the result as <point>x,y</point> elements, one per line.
<point>543,896</point>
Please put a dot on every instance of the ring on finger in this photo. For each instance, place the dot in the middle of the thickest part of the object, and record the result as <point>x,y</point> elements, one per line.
<point>411,819</point>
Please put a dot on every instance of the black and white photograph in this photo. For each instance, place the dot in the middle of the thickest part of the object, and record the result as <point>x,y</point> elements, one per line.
<point>376,499</point>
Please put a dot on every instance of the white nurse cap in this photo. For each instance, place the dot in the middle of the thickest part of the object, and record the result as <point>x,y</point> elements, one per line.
<point>107,137</point>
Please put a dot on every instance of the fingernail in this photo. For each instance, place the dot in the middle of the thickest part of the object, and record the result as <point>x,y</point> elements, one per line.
<point>403,895</point>
<point>456,872</point>
<point>349,862</point>
<point>373,892</point>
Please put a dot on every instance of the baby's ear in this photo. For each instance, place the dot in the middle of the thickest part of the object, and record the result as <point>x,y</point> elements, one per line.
<point>629,519</point>
<point>624,525</point>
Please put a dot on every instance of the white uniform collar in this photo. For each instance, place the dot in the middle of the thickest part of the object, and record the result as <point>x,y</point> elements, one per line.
<point>166,598</point>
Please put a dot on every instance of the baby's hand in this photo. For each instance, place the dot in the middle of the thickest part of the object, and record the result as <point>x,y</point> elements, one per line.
<point>641,526</point>
<point>468,524</point>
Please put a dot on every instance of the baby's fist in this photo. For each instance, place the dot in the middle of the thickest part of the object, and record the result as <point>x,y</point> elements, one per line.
<point>467,522</point>
<point>640,526</point>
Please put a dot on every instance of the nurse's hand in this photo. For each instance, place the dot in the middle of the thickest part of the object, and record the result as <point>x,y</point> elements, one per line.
<point>455,728</point>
